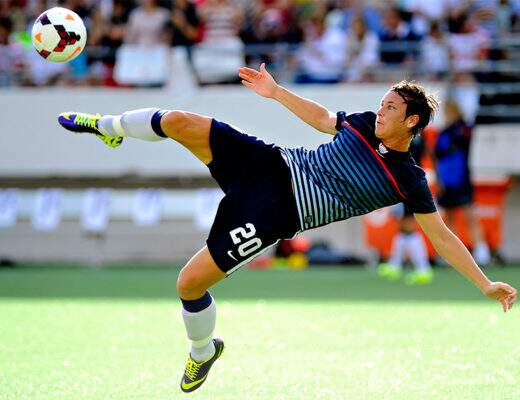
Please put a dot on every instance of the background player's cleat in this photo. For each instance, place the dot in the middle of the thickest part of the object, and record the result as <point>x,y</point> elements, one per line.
<point>87,123</point>
<point>390,272</point>
<point>196,373</point>
<point>419,278</point>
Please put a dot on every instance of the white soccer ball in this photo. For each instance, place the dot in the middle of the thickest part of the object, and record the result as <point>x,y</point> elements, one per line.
<point>59,35</point>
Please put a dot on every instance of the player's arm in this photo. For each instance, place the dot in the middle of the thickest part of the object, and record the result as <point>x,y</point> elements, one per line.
<point>449,247</point>
<point>307,110</point>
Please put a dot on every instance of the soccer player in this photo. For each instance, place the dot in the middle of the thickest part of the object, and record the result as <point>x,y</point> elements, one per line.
<point>273,193</point>
<point>454,177</point>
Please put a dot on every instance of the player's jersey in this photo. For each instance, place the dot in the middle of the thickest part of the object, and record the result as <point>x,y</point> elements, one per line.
<point>353,175</point>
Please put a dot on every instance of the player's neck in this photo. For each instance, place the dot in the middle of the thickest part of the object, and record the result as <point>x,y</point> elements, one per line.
<point>401,144</point>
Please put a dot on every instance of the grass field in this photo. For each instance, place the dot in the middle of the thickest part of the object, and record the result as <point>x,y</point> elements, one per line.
<point>74,333</point>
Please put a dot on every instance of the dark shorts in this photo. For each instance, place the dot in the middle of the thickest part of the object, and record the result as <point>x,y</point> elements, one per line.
<point>456,197</point>
<point>259,207</point>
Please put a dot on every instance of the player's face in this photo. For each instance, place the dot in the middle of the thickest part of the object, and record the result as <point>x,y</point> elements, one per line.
<point>391,118</point>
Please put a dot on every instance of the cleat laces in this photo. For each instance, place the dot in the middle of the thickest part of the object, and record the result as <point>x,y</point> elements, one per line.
<point>87,120</point>
<point>192,369</point>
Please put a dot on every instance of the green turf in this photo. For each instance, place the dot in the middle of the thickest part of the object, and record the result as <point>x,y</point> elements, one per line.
<point>73,333</point>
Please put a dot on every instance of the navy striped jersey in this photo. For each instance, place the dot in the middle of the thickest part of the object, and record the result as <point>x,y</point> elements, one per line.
<point>353,175</point>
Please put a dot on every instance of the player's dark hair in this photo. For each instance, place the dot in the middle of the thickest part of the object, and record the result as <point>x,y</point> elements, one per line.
<point>418,102</point>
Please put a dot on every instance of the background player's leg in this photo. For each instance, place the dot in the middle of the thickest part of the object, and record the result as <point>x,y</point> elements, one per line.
<point>151,124</point>
<point>199,310</point>
<point>480,247</point>
<point>418,252</point>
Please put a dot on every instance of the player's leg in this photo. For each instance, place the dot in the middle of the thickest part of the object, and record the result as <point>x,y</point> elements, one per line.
<point>480,247</point>
<point>423,273</point>
<point>392,269</point>
<point>199,315</point>
<point>150,124</point>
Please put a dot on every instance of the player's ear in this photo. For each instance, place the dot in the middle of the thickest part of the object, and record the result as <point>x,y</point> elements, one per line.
<point>412,120</point>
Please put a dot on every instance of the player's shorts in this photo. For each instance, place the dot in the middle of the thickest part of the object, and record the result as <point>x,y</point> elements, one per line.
<point>456,197</point>
<point>259,207</point>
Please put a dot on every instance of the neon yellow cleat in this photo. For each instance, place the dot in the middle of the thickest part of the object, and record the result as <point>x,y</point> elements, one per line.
<point>389,271</point>
<point>196,373</point>
<point>419,278</point>
<point>87,123</point>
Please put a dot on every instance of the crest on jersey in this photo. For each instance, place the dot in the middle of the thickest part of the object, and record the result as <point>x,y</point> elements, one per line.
<point>382,150</point>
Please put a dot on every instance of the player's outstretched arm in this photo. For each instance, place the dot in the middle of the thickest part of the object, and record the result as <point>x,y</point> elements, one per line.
<point>263,83</point>
<point>449,247</point>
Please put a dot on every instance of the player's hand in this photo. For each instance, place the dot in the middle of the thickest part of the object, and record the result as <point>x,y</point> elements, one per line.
<point>502,292</point>
<point>261,81</point>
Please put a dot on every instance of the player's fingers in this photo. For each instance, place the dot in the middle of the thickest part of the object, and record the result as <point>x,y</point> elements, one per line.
<point>247,84</point>
<point>248,71</point>
<point>511,300</point>
<point>504,304</point>
<point>245,76</point>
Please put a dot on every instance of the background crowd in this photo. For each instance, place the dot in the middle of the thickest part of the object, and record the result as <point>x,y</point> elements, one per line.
<point>304,41</point>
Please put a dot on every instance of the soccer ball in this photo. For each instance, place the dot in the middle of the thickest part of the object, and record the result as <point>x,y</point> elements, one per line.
<point>59,35</point>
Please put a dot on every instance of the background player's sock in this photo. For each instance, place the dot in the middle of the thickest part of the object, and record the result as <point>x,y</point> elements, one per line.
<point>481,253</point>
<point>417,252</point>
<point>398,251</point>
<point>199,319</point>
<point>141,124</point>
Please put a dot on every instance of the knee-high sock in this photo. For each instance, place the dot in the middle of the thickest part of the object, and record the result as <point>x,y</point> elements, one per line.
<point>144,124</point>
<point>398,250</point>
<point>417,251</point>
<point>199,319</point>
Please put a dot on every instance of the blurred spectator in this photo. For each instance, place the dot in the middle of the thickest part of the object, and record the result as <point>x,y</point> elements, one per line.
<point>454,176</point>
<point>344,11</point>
<point>184,24</point>
<point>270,22</point>
<point>222,19</point>
<point>323,55</point>
<point>221,41</point>
<point>146,24</point>
<point>434,53</point>
<point>114,32</point>
<point>468,45</point>
<point>424,12</point>
<point>398,41</point>
<point>185,30</point>
<point>362,50</point>
<point>11,55</point>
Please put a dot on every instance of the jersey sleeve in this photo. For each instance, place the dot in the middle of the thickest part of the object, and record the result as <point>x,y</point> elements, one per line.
<point>421,200</point>
<point>364,123</point>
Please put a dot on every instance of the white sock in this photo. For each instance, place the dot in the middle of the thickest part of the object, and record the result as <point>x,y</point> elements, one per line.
<point>418,252</point>
<point>199,327</point>
<point>136,124</point>
<point>398,249</point>
<point>481,253</point>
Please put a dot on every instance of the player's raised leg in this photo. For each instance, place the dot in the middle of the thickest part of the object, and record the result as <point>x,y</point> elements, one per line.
<point>150,124</point>
<point>199,314</point>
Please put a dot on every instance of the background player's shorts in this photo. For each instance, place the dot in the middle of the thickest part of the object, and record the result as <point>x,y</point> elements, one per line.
<point>259,206</point>
<point>456,197</point>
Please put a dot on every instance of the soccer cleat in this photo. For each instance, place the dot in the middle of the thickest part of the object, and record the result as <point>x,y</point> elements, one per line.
<point>388,271</point>
<point>87,123</point>
<point>419,278</point>
<point>196,373</point>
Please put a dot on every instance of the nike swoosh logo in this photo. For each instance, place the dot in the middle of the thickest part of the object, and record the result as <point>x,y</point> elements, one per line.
<point>188,386</point>
<point>229,253</point>
<point>66,116</point>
